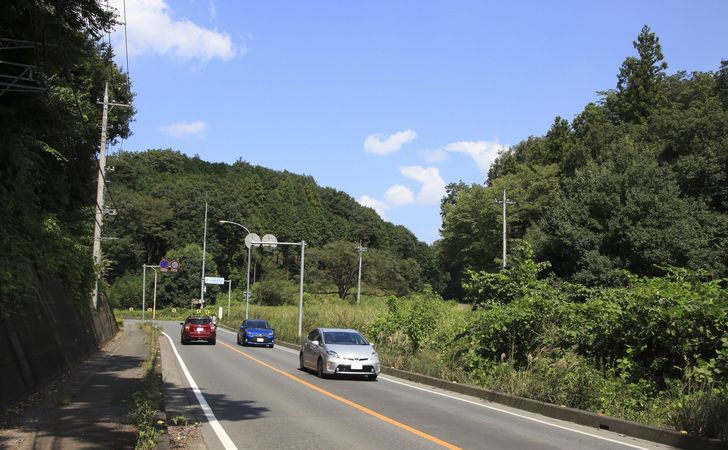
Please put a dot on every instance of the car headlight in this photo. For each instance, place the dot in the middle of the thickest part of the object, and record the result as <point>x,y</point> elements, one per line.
<point>332,353</point>
<point>375,355</point>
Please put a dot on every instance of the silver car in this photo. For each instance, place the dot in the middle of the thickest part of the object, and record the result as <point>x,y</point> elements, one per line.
<point>331,351</point>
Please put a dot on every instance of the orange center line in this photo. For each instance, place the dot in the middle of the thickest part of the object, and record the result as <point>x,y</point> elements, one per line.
<point>355,405</point>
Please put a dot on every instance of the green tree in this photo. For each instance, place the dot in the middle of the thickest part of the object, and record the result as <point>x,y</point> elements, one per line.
<point>339,264</point>
<point>639,81</point>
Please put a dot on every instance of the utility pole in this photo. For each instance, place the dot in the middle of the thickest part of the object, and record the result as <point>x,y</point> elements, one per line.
<point>204,245</point>
<point>359,249</point>
<point>504,202</point>
<point>100,185</point>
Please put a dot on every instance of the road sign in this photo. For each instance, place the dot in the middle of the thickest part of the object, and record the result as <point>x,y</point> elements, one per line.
<point>250,238</point>
<point>214,280</point>
<point>269,241</point>
<point>174,265</point>
<point>163,265</point>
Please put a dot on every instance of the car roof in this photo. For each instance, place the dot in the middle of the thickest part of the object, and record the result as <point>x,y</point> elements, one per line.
<point>198,317</point>
<point>349,330</point>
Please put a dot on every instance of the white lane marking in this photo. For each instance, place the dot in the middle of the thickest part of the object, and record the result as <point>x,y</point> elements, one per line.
<point>513,414</point>
<point>221,434</point>
<point>491,407</point>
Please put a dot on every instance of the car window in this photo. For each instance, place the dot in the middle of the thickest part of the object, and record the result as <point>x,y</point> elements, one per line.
<point>257,324</point>
<point>344,338</point>
<point>200,321</point>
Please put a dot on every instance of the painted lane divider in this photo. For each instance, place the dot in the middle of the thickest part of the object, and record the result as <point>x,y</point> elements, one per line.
<point>348,402</point>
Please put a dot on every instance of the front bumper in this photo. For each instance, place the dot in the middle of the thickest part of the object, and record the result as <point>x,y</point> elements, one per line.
<point>258,340</point>
<point>346,366</point>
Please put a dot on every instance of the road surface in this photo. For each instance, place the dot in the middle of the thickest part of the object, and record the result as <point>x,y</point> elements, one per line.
<point>258,398</point>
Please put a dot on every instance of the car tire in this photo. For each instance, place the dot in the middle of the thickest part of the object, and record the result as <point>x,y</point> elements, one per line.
<point>300,362</point>
<point>184,342</point>
<point>270,345</point>
<point>372,377</point>
<point>238,337</point>
<point>212,341</point>
<point>320,368</point>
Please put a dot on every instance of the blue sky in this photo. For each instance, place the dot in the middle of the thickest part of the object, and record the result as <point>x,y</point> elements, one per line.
<point>387,101</point>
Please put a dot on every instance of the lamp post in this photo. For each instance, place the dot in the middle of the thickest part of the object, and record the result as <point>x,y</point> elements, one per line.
<point>247,283</point>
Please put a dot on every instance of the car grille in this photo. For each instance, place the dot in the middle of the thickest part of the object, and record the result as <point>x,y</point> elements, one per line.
<point>347,368</point>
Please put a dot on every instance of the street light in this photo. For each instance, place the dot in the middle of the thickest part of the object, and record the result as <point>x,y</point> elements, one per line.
<point>247,283</point>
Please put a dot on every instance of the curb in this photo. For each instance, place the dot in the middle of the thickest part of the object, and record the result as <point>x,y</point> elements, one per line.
<point>578,416</point>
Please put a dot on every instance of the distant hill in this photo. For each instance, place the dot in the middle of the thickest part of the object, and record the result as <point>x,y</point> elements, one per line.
<point>160,199</point>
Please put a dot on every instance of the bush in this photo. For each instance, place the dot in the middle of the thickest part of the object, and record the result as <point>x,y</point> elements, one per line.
<point>275,292</point>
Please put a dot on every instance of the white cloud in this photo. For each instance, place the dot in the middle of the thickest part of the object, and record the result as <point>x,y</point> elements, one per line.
<point>377,205</point>
<point>482,152</point>
<point>184,129</point>
<point>399,195</point>
<point>435,156</point>
<point>382,145</point>
<point>151,29</point>
<point>433,186</point>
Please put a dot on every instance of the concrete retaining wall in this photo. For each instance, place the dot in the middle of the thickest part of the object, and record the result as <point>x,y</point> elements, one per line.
<point>50,335</point>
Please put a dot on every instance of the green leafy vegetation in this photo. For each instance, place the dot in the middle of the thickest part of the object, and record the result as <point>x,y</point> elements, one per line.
<point>49,144</point>
<point>147,400</point>
<point>614,299</point>
<point>161,198</point>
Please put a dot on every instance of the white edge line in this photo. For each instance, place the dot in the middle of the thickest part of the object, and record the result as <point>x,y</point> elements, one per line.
<point>533,419</point>
<point>221,434</point>
<point>514,414</point>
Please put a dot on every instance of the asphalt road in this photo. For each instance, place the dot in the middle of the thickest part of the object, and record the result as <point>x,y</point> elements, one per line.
<point>257,398</point>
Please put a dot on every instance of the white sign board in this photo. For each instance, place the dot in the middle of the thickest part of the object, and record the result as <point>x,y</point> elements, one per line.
<point>214,280</point>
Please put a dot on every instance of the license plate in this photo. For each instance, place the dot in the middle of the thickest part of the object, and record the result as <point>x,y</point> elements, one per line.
<point>356,365</point>
<point>200,329</point>
<point>259,339</point>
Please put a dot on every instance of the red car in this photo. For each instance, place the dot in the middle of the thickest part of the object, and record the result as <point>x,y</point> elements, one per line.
<point>198,328</point>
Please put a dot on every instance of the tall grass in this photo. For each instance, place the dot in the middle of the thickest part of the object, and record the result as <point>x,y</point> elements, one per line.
<point>147,401</point>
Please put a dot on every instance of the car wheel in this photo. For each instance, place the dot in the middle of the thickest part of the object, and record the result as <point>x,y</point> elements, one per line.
<point>212,341</point>
<point>372,376</point>
<point>270,345</point>
<point>238,339</point>
<point>183,341</point>
<point>320,368</point>
<point>300,361</point>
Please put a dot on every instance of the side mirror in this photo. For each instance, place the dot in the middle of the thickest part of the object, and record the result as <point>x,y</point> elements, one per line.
<point>181,323</point>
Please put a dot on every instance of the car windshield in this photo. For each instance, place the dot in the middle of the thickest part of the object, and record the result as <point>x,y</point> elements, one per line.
<point>344,338</point>
<point>200,321</point>
<point>257,324</point>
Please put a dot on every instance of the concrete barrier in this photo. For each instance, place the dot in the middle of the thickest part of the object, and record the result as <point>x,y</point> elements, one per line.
<point>599,421</point>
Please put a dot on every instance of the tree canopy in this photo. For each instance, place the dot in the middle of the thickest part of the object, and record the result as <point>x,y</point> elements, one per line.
<point>634,182</point>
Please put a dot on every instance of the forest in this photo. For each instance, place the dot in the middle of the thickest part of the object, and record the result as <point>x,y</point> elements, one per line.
<point>614,297</point>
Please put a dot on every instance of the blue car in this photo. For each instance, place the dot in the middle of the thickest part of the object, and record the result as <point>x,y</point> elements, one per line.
<point>256,332</point>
